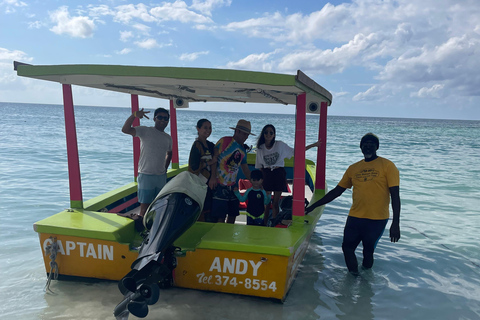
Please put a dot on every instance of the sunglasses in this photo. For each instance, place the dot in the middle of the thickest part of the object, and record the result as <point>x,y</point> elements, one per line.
<point>269,132</point>
<point>162,118</point>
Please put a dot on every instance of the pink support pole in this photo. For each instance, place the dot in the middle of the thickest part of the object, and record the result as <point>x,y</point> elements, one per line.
<point>298,207</point>
<point>322,149</point>
<point>136,140</point>
<point>75,180</point>
<point>173,133</point>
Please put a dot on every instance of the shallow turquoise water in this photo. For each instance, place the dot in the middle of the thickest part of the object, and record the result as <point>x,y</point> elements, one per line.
<point>432,273</point>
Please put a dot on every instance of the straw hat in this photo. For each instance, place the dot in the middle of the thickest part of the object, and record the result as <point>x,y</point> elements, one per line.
<point>244,125</point>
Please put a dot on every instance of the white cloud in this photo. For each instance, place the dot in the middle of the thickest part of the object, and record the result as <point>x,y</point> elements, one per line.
<point>11,55</point>
<point>77,27</point>
<point>126,13</point>
<point>142,28</point>
<point>270,26</point>
<point>453,64</point>
<point>7,74</point>
<point>337,95</point>
<point>253,62</point>
<point>192,56</point>
<point>125,35</point>
<point>207,6</point>
<point>204,27</point>
<point>373,93</point>
<point>12,5</point>
<point>147,43</point>
<point>427,48</point>
<point>124,51</point>
<point>178,11</point>
<point>35,25</point>
<point>329,61</point>
<point>436,91</point>
<point>99,11</point>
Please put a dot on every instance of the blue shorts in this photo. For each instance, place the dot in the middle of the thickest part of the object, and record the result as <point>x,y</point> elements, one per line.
<point>149,185</point>
<point>254,222</point>
<point>224,202</point>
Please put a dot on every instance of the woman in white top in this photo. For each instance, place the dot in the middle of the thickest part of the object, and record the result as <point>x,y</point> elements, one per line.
<point>271,155</point>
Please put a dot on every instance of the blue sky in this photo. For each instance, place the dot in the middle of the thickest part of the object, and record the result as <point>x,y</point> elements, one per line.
<point>404,58</point>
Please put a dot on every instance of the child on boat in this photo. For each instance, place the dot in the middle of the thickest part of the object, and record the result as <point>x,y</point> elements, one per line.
<point>257,199</point>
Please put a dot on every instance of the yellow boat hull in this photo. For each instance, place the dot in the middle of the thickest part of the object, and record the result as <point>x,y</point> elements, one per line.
<point>88,258</point>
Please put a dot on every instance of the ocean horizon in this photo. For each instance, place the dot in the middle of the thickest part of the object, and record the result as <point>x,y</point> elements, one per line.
<point>433,272</point>
<point>194,109</point>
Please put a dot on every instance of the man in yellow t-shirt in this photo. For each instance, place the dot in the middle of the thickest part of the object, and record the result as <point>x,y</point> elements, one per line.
<point>374,180</point>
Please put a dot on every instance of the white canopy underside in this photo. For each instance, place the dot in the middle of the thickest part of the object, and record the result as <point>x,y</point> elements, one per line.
<point>189,84</point>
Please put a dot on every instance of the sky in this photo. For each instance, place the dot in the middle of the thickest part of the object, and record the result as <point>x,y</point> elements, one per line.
<point>390,58</point>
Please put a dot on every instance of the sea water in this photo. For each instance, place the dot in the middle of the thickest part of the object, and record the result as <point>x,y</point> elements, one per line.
<point>433,272</point>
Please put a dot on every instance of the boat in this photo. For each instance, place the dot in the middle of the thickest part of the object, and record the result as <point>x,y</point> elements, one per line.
<point>91,241</point>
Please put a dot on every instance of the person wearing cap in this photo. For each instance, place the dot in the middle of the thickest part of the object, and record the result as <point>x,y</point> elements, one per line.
<point>375,180</point>
<point>231,156</point>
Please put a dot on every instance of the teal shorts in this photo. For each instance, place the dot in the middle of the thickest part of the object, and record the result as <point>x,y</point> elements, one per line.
<point>149,185</point>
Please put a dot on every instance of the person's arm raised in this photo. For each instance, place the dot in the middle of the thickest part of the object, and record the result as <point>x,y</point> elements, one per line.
<point>127,126</point>
<point>310,146</point>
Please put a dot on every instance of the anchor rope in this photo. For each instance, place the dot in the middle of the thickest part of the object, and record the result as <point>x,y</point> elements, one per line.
<point>51,250</point>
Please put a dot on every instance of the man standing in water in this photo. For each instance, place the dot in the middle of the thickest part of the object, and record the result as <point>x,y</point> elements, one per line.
<point>231,155</point>
<point>155,155</point>
<point>374,181</point>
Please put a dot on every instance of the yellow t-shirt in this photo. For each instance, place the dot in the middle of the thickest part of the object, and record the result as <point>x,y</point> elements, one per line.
<point>371,182</point>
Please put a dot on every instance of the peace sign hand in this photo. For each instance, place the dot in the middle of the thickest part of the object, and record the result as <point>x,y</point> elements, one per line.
<point>140,114</point>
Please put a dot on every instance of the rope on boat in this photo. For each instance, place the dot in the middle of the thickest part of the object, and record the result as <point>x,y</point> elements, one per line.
<point>268,95</point>
<point>51,250</point>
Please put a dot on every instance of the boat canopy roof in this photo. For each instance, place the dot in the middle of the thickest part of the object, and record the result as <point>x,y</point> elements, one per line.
<point>189,84</point>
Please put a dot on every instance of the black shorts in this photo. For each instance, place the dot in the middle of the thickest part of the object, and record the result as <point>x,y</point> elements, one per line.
<point>274,180</point>
<point>224,202</point>
<point>367,231</point>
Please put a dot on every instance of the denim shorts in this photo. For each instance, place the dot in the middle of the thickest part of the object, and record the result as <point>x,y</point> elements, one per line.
<point>254,222</point>
<point>149,185</point>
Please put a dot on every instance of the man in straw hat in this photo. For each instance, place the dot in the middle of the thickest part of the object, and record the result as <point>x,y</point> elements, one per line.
<point>231,155</point>
<point>374,180</point>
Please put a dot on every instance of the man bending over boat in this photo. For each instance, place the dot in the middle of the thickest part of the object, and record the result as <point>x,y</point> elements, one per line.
<point>155,155</point>
<point>231,156</point>
<point>374,180</point>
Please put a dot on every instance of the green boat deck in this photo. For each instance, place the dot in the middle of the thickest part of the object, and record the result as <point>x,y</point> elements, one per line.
<point>88,224</point>
<point>202,235</point>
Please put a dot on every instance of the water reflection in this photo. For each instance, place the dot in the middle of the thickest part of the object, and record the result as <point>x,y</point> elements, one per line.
<point>355,300</point>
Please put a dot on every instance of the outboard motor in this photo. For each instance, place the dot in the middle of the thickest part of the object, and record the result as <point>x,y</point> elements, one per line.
<point>174,210</point>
